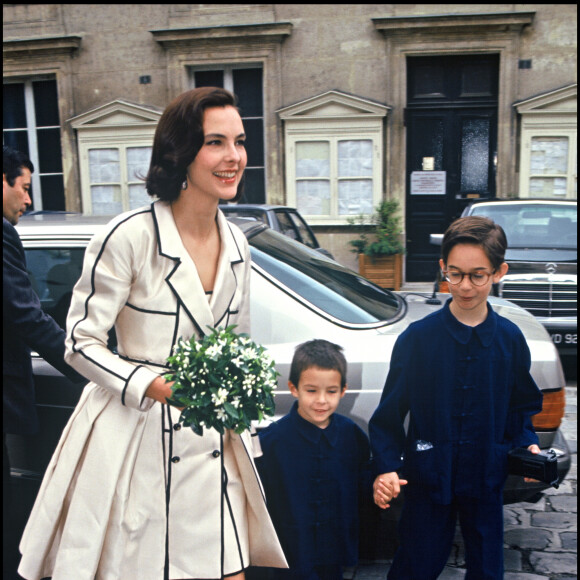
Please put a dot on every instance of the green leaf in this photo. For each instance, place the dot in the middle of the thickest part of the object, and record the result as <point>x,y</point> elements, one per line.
<point>231,410</point>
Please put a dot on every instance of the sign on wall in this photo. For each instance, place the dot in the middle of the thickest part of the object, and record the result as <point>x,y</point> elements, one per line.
<point>428,182</point>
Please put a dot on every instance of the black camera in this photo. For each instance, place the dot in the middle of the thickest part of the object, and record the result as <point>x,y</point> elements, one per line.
<point>542,466</point>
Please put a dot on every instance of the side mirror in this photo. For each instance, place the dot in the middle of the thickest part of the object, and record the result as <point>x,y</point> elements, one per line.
<point>436,239</point>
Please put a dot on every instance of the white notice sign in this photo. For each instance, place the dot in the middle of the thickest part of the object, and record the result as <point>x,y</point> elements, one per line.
<point>428,182</point>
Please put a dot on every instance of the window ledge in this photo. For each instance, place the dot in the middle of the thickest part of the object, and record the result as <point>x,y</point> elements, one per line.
<point>272,31</point>
<point>42,44</point>
<point>448,23</point>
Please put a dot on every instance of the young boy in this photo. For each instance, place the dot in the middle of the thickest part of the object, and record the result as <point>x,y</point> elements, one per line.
<point>314,465</point>
<point>463,373</point>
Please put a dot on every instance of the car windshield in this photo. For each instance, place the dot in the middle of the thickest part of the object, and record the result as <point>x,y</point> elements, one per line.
<point>539,225</point>
<point>334,289</point>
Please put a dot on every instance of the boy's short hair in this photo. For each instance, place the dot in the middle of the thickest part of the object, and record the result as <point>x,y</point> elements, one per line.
<point>477,230</point>
<point>12,163</point>
<point>318,353</point>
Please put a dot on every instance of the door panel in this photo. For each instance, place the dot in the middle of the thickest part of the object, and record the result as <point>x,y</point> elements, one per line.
<point>451,122</point>
<point>428,133</point>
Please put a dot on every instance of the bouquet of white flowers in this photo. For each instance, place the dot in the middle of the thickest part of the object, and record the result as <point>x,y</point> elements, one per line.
<point>224,381</point>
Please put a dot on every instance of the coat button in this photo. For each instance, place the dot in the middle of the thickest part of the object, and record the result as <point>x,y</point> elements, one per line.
<point>216,454</point>
<point>175,459</point>
<point>177,427</point>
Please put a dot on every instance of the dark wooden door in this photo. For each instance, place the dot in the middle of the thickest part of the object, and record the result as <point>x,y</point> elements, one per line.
<point>451,122</point>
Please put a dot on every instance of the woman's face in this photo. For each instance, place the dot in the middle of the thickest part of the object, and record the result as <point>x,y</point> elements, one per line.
<point>218,167</point>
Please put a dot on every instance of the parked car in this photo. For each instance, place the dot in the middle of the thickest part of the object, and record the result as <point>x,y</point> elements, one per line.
<point>543,261</point>
<point>280,218</point>
<point>297,294</point>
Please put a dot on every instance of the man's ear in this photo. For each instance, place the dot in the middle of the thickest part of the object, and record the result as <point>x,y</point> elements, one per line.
<point>293,389</point>
<point>342,393</point>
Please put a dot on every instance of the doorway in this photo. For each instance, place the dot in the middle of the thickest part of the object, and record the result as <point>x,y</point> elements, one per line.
<point>451,122</point>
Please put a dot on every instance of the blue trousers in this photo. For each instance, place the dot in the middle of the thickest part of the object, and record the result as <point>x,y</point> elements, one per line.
<point>427,530</point>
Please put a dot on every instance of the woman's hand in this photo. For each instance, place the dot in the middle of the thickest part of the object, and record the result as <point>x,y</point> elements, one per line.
<point>159,390</point>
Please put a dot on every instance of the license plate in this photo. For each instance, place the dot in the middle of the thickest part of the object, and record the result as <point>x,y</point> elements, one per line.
<point>560,338</point>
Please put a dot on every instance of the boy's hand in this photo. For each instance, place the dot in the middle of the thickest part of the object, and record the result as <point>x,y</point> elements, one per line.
<point>386,487</point>
<point>535,450</point>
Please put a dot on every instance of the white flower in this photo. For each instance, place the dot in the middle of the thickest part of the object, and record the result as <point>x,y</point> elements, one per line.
<point>222,355</point>
<point>220,397</point>
<point>214,350</point>
<point>250,353</point>
<point>248,381</point>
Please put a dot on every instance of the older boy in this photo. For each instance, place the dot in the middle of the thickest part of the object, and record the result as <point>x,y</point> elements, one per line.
<point>463,373</point>
<point>313,466</point>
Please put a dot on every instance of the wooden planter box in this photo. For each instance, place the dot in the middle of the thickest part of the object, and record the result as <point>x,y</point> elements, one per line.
<point>385,271</point>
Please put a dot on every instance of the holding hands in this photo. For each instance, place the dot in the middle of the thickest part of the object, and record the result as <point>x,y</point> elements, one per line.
<point>386,487</point>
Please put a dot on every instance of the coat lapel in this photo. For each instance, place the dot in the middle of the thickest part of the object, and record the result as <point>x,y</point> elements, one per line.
<point>226,281</point>
<point>184,280</point>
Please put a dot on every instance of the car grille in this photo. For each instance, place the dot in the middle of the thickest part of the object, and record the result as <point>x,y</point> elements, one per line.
<point>542,298</point>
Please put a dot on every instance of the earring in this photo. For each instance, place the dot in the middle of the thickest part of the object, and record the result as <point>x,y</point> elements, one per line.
<point>184,185</point>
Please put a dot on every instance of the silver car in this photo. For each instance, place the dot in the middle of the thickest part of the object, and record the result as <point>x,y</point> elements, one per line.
<point>543,261</point>
<point>297,294</point>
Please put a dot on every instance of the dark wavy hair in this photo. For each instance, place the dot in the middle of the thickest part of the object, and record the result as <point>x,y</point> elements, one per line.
<point>479,231</point>
<point>12,163</point>
<point>178,139</point>
<point>318,353</point>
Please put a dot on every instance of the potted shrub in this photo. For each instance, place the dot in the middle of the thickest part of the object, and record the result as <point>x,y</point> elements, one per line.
<point>379,246</point>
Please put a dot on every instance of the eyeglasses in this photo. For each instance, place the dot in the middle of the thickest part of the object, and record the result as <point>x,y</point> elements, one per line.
<point>476,278</point>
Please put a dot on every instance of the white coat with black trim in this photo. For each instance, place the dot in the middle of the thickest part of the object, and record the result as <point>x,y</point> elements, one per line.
<point>126,495</point>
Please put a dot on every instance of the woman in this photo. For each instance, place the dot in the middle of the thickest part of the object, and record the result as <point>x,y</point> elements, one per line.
<point>128,494</point>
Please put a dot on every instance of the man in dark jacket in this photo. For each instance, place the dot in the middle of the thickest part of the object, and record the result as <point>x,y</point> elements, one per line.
<point>25,327</point>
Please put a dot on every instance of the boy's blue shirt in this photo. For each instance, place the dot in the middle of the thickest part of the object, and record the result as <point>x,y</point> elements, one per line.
<point>313,479</point>
<point>470,396</point>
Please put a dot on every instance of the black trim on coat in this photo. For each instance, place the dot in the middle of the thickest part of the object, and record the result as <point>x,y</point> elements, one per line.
<point>92,293</point>
<point>147,311</point>
<point>182,304</point>
<point>176,327</point>
<point>141,362</point>
<point>225,476</point>
<point>127,383</point>
<point>254,468</point>
<point>167,457</point>
<point>93,290</point>
<point>98,364</point>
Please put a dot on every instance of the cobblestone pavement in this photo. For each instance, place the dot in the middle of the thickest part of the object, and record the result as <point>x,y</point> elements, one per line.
<point>539,539</point>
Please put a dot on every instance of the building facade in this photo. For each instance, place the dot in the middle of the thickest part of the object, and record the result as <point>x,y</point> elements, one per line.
<point>343,105</point>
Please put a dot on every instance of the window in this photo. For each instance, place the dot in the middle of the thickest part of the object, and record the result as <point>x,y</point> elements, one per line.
<point>246,83</point>
<point>31,124</point>
<point>336,291</point>
<point>115,143</point>
<point>334,152</point>
<point>549,167</point>
<point>115,184</point>
<point>53,273</point>
<point>548,162</point>
<point>345,166</point>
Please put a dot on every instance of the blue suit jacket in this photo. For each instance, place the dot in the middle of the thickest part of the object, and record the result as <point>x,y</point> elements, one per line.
<point>470,396</point>
<point>24,327</point>
<point>313,479</point>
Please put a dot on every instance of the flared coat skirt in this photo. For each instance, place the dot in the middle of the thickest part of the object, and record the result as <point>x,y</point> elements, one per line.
<point>132,494</point>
